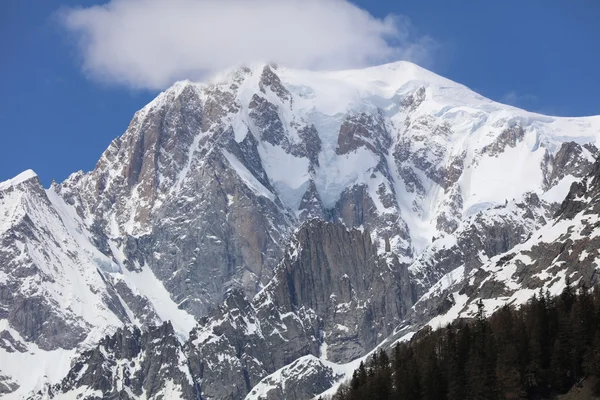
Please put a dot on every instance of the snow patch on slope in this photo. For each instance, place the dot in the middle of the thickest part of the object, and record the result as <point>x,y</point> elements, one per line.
<point>33,369</point>
<point>146,284</point>
<point>288,174</point>
<point>246,176</point>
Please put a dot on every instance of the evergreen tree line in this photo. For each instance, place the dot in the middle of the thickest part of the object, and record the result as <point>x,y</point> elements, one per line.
<point>534,352</point>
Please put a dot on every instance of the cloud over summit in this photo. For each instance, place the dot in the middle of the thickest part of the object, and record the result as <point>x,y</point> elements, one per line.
<point>151,43</point>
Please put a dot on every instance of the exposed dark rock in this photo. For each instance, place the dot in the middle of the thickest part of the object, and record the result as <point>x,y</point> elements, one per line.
<point>414,100</point>
<point>10,344</point>
<point>265,116</point>
<point>569,160</point>
<point>509,137</point>
<point>331,290</point>
<point>312,144</point>
<point>269,79</point>
<point>7,385</point>
<point>132,362</point>
<point>363,130</point>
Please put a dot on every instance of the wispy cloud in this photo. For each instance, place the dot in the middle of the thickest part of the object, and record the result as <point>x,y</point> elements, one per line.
<point>519,100</point>
<point>151,43</point>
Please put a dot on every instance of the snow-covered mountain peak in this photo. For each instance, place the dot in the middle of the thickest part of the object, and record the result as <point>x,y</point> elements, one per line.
<point>22,177</point>
<point>393,175</point>
<point>18,197</point>
<point>395,149</point>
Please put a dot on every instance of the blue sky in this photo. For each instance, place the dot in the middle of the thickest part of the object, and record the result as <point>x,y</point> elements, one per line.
<point>56,118</point>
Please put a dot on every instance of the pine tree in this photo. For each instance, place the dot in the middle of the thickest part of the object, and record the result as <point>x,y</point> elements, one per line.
<point>455,364</point>
<point>382,388</point>
<point>567,297</point>
<point>592,361</point>
<point>507,362</point>
<point>432,378</point>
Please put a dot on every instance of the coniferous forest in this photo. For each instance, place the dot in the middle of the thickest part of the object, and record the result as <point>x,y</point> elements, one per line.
<point>538,351</point>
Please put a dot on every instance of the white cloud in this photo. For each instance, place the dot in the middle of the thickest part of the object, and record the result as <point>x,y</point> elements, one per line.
<point>151,43</point>
<point>519,100</point>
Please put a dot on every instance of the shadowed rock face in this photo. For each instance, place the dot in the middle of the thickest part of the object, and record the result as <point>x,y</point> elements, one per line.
<point>312,144</point>
<point>265,116</point>
<point>571,159</point>
<point>508,138</point>
<point>338,275</point>
<point>311,205</point>
<point>584,196</point>
<point>270,80</point>
<point>7,385</point>
<point>363,130</point>
<point>332,296</point>
<point>229,234</point>
<point>356,208</point>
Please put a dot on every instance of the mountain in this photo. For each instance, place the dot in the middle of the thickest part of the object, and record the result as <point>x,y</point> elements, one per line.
<point>282,224</point>
<point>563,250</point>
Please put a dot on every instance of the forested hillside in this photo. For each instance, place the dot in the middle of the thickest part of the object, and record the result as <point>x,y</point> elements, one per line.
<point>538,351</point>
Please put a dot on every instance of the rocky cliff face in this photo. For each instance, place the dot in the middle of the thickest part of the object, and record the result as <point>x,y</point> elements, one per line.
<point>286,222</point>
<point>332,300</point>
<point>479,238</point>
<point>46,274</point>
<point>332,297</point>
<point>157,185</point>
<point>358,295</point>
<point>59,293</point>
